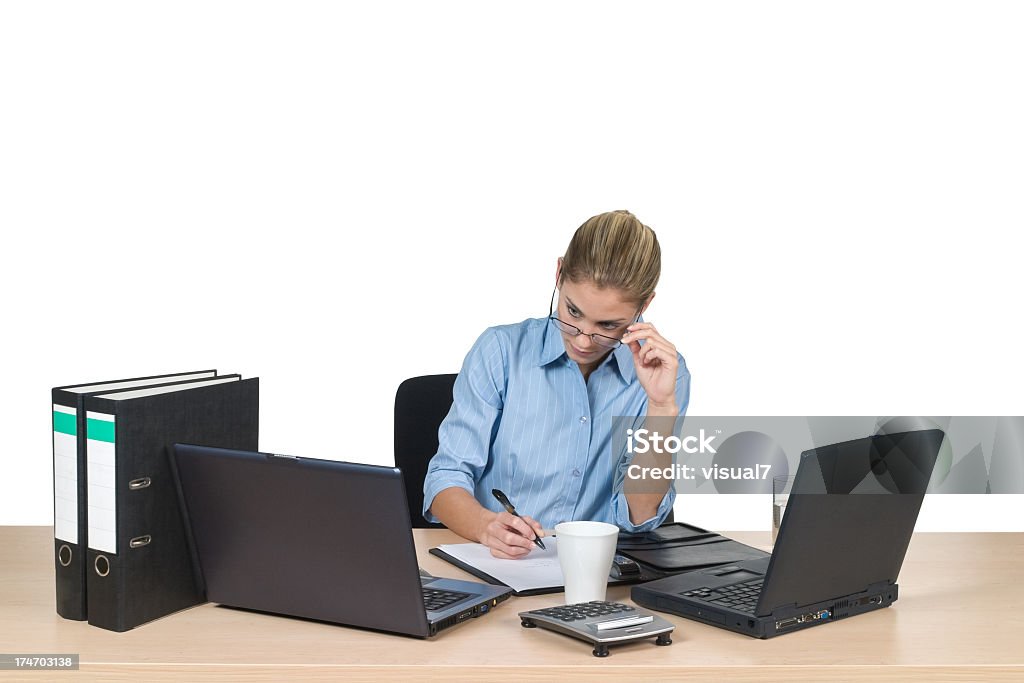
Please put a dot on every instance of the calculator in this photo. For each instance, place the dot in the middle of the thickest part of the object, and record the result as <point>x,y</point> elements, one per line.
<point>601,623</point>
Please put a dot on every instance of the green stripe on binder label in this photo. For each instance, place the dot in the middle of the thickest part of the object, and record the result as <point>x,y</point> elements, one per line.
<point>65,423</point>
<point>100,430</point>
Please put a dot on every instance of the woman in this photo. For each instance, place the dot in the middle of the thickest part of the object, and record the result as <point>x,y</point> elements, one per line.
<point>534,404</point>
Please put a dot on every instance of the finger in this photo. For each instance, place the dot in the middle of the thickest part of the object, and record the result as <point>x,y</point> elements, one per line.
<point>499,538</point>
<point>517,525</point>
<point>640,327</point>
<point>504,518</point>
<point>514,538</point>
<point>660,343</point>
<point>507,520</point>
<point>666,355</point>
<point>649,335</point>
<point>650,360</point>
<point>534,524</point>
<point>647,351</point>
<point>652,353</point>
<point>501,554</point>
<point>513,531</point>
<point>633,331</point>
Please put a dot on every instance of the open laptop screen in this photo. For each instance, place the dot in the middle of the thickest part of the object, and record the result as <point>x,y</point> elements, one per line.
<point>310,538</point>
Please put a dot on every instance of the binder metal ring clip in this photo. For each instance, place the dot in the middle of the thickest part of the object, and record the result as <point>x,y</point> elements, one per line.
<point>102,560</point>
<point>140,541</point>
<point>64,555</point>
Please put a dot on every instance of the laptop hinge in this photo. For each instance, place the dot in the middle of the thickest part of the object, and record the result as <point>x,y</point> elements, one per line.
<point>783,609</point>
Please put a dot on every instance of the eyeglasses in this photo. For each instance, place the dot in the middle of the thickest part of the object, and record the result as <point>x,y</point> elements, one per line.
<point>573,331</point>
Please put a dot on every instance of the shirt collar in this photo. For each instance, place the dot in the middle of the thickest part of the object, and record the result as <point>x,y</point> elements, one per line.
<point>552,348</point>
<point>624,363</point>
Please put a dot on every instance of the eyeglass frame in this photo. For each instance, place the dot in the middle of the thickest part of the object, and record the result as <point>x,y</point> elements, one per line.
<point>556,321</point>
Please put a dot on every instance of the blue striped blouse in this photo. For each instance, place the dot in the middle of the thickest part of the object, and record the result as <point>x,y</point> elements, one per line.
<point>524,421</point>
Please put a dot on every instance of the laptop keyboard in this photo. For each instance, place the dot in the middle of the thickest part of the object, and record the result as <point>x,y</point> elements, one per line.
<point>738,596</point>
<point>434,599</point>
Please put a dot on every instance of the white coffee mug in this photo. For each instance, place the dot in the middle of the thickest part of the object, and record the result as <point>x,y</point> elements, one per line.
<point>585,551</point>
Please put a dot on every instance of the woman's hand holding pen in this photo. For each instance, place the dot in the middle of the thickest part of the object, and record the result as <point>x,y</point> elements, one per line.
<point>656,363</point>
<point>509,537</point>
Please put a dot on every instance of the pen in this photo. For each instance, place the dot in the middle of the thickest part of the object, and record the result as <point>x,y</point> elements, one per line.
<point>507,504</point>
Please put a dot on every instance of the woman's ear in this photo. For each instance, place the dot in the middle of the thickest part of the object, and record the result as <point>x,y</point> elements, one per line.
<point>558,270</point>
<point>649,300</point>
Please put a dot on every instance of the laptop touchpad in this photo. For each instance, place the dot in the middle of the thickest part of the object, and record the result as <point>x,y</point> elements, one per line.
<point>739,575</point>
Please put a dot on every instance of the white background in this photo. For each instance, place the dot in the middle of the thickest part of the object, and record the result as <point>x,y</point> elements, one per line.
<point>337,196</point>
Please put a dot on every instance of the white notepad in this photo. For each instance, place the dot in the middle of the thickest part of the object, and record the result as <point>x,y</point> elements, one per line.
<point>536,571</point>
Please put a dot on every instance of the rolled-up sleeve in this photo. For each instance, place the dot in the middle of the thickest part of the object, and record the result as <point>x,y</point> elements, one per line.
<point>620,507</point>
<point>465,436</point>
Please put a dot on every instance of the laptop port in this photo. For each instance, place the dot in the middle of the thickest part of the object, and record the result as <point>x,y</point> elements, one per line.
<point>802,619</point>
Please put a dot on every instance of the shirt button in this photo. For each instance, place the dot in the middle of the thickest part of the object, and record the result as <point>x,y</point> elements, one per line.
<point>583,418</point>
<point>576,472</point>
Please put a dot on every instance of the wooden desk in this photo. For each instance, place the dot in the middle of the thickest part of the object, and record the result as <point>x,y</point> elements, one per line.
<point>959,617</point>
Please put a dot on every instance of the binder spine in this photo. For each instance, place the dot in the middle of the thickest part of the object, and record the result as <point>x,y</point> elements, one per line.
<point>69,502</point>
<point>105,568</point>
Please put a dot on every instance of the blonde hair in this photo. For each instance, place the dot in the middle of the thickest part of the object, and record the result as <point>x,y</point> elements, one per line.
<point>615,250</point>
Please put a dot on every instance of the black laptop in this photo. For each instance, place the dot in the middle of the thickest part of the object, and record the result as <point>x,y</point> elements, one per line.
<point>839,549</point>
<point>318,539</point>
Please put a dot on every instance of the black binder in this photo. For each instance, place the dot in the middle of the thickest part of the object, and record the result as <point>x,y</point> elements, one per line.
<point>138,563</point>
<point>69,483</point>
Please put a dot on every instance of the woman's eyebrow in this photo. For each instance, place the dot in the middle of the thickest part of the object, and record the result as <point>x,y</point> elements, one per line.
<point>599,322</point>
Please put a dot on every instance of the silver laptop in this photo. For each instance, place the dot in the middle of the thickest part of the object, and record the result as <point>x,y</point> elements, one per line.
<point>318,539</point>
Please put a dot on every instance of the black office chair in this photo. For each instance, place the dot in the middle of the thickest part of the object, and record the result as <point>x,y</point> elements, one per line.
<point>421,404</point>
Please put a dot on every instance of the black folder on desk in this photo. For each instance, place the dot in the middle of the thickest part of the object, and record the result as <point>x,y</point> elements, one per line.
<point>676,548</point>
<point>138,563</point>
<point>70,504</point>
<point>673,548</point>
